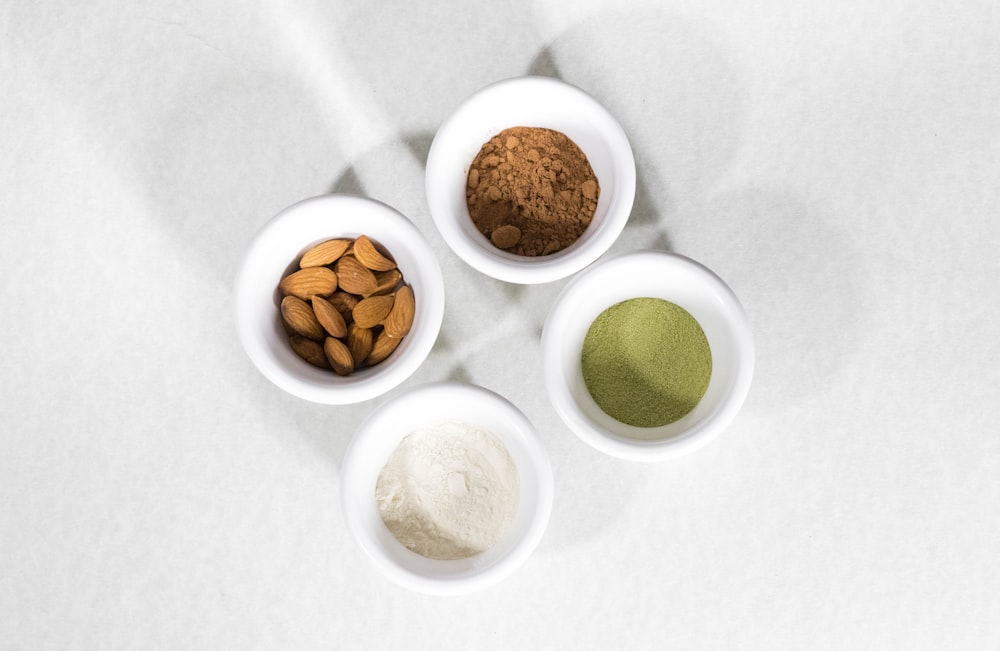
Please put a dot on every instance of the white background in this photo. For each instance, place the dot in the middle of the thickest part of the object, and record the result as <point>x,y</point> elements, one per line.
<point>838,164</point>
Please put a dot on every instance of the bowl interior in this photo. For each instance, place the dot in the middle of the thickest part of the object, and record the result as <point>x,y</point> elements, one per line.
<point>531,102</point>
<point>657,275</point>
<point>375,442</point>
<point>277,248</point>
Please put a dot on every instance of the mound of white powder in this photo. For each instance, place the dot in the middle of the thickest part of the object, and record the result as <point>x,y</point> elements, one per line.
<point>448,491</point>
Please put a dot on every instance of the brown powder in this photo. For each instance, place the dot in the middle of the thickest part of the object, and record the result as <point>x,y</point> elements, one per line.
<point>531,191</point>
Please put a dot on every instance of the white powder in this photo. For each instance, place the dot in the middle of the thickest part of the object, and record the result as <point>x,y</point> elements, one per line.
<point>448,491</point>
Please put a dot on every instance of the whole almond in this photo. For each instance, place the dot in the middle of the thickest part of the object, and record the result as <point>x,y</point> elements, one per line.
<point>298,316</point>
<point>344,303</point>
<point>324,253</point>
<point>338,356</point>
<point>386,282</point>
<point>354,277</point>
<point>382,348</point>
<point>368,255</point>
<point>309,350</point>
<point>370,312</point>
<point>359,342</point>
<point>400,317</point>
<point>347,305</point>
<point>287,328</point>
<point>309,282</point>
<point>328,317</point>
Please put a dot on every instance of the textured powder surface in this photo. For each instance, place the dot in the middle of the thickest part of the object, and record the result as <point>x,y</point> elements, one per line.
<point>646,362</point>
<point>448,491</point>
<point>531,191</point>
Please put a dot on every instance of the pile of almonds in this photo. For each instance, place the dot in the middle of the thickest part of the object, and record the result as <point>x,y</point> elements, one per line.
<point>347,306</point>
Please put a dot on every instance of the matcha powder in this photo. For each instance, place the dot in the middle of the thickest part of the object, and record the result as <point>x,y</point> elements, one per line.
<point>646,362</point>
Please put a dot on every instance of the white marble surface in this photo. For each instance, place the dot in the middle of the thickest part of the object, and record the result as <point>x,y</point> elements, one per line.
<point>837,163</point>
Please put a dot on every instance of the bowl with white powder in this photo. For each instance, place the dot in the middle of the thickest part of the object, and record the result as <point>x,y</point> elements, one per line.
<point>447,488</point>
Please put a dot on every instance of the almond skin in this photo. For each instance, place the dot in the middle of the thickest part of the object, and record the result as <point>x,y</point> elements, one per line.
<point>309,282</point>
<point>387,281</point>
<point>298,316</point>
<point>382,348</point>
<point>328,317</point>
<point>400,317</point>
<point>346,306</point>
<point>370,312</point>
<point>324,253</point>
<point>368,255</point>
<point>338,356</point>
<point>344,303</point>
<point>354,277</point>
<point>309,350</point>
<point>359,342</point>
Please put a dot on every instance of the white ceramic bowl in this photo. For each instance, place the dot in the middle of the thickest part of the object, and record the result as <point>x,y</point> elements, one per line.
<point>379,436</point>
<point>652,274</point>
<point>281,242</point>
<point>531,102</point>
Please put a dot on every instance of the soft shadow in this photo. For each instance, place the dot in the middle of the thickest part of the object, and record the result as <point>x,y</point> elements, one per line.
<point>326,429</point>
<point>392,172</point>
<point>676,92</point>
<point>443,343</point>
<point>648,209</point>
<point>211,174</point>
<point>514,292</point>
<point>419,144</point>
<point>460,374</point>
<point>348,183</point>
<point>427,60</point>
<point>544,64</point>
<point>671,83</point>
<point>770,245</point>
<point>206,196</point>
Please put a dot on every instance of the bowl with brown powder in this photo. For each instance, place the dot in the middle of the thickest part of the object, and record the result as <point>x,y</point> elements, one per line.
<point>530,180</point>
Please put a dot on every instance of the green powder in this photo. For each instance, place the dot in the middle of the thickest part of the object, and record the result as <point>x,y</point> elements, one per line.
<point>646,362</point>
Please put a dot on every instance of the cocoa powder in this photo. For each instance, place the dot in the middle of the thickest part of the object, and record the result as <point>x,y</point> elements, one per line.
<point>531,191</point>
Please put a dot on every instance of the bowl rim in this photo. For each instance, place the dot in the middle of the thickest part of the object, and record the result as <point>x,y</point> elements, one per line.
<point>690,440</point>
<point>541,269</point>
<point>317,385</point>
<point>358,466</point>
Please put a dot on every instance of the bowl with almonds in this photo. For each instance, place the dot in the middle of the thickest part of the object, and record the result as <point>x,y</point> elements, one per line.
<point>338,299</point>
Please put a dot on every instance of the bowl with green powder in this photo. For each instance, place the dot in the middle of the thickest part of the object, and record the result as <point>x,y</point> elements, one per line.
<point>647,356</point>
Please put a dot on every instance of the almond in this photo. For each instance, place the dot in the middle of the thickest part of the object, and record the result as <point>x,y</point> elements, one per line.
<point>344,303</point>
<point>298,316</point>
<point>359,342</point>
<point>338,356</point>
<point>382,348</point>
<point>287,328</point>
<point>346,306</point>
<point>386,282</point>
<point>309,282</point>
<point>370,312</point>
<point>309,350</point>
<point>368,255</point>
<point>328,317</point>
<point>354,277</point>
<point>400,317</point>
<point>324,253</point>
